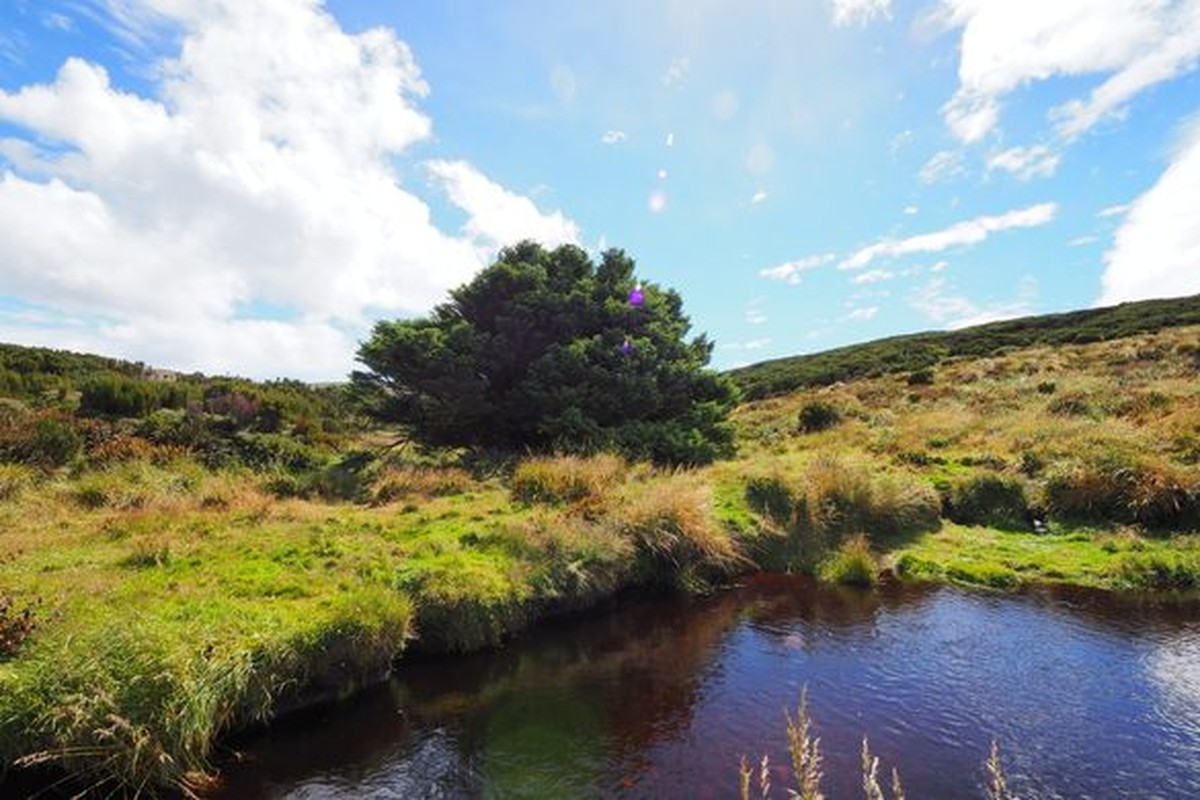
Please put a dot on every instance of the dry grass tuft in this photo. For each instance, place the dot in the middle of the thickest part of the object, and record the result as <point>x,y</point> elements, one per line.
<point>567,479</point>
<point>401,483</point>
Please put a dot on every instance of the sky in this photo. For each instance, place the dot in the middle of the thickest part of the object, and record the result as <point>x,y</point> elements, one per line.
<point>246,186</point>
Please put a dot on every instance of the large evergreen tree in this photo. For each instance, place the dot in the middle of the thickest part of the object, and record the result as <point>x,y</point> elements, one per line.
<point>545,350</point>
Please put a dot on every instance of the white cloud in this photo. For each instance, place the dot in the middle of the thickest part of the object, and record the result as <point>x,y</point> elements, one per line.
<point>790,271</point>
<point>955,311</point>
<point>1082,241</point>
<point>613,137</point>
<point>759,197</point>
<point>900,141</point>
<point>1008,43</point>
<point>675,72</point>
<point>859,12</point>
<point>939,266</point>
<point>911,210</point>
<point>944,165</point>
<point>1114,211</point>
<point>497,217</point>
<point>863,314</point>
<point>260,176</point>
<point>1025,163</point>
<point>873,276</point>
<point>56,21</point>
<point>969,232</point>
<point>753,344</point>
<point>1156,251</point>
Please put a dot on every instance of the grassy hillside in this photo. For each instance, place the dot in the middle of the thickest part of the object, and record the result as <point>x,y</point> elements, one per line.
<point>154,595</point>
<point>921,351</point>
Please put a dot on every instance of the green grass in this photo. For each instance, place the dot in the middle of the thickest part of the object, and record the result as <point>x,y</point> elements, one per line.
<point>174,603</point>
<point>1004,559</point>
<point>164,621</point>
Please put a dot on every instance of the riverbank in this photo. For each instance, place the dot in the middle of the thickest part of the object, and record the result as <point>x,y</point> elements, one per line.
<point>169,604</point>
<point>206,605</point>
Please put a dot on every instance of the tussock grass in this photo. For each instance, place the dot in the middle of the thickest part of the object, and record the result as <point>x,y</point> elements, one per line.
<point>133,704</point>
<point>566,479</point>
<point>853,564</point>
<point>671,521</point>
<point>396,483</point>
<point>832,499</point>
<point>14,479</point>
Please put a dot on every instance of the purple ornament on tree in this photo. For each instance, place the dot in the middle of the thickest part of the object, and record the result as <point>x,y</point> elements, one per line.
<point>637,297</point>
<point>626,347</point>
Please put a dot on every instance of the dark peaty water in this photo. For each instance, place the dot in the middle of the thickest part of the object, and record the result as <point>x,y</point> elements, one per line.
<point>1089,697</point>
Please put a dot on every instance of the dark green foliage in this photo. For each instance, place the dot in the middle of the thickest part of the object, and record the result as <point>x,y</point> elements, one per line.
<point>925,350</point>
<point>529,356</point>
<point>53,443</point>
<point>818,416</point>
<point>989,499</point>
<point>1047,387</point>
<point>119,396</point>
<point>920,377</point>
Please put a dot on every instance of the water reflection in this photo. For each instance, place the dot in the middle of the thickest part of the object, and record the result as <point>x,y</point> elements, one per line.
<point>1091,697</point>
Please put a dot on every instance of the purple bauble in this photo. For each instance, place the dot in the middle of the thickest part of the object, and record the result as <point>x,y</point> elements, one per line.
<point>627,347</point>
<point>636,297</point>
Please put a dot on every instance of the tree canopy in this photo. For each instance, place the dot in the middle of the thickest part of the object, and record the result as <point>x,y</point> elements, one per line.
<point>546,350</point>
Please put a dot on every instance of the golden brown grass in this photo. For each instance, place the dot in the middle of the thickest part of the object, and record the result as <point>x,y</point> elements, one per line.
<point>566,479</point>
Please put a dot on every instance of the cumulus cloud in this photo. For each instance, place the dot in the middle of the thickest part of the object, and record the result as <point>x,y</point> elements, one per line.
<point>969,232</point>
<point>1025,163</point>
<point>859,12</point>
<point>496,216</point>
<point>1156,251</point>
<point>259,175</point>
<point>790,271</point>
<point>1008,43</point>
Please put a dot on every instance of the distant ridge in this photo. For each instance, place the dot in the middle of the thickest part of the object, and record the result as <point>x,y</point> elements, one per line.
<point>923,350</point>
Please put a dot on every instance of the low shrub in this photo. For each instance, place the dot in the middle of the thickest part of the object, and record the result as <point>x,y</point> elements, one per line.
<point>1047,387</point>
<point>989,499</point>
<point>818,416</point>
<point>566,479</point>
<point>920,377</point>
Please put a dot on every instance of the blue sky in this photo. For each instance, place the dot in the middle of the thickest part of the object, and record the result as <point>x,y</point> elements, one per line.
<point>245,185</point>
